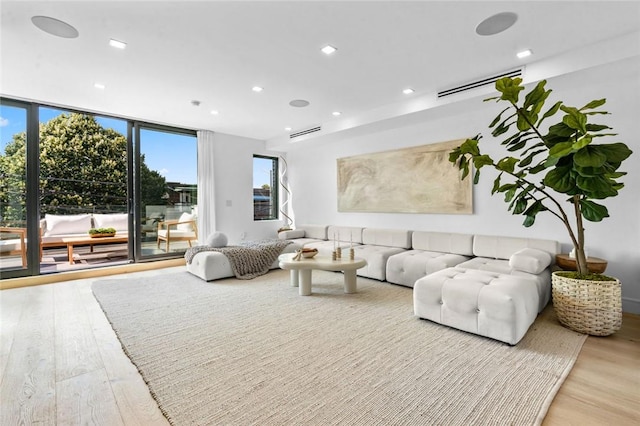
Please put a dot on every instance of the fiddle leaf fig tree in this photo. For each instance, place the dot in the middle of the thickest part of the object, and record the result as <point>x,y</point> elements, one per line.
<point>540,166</point>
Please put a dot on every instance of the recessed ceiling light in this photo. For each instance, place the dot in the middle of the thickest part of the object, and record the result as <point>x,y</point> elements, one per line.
<point>54,27</point>
<point>336,113</point>
<point>496,24</point>
<point>288,129</point>
<point>408,91</point>
<point>257,89</point>
<point>99,86</point>
<point>117,44</point>
<point>328,49</point>
<point>299,103</point>
<point>524,53</point>
<point>214,112</point>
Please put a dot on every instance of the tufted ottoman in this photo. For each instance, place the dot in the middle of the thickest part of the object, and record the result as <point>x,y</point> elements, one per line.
<point>486,303</point>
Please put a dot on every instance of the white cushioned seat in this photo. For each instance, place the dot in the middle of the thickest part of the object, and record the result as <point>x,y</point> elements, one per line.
<point>305,234</point>
<point>432,251</point>
<point>501,266</point>
<point>378,245</point>
<point>490,304</point>
<point>495,253</point>
<point>338,236</point>
<point>213,265</point>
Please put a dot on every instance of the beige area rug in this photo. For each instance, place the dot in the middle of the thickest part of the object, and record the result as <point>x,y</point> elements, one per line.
<point>234,352</point>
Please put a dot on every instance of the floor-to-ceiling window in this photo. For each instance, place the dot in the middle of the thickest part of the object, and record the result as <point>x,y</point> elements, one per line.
<point>265,188</point>
<point>13,182</point>
<point>167,195</point>
<point>82,173</point>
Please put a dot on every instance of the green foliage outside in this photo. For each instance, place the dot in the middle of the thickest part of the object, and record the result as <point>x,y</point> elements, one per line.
<point>83,169</point>
<point>566,160</point>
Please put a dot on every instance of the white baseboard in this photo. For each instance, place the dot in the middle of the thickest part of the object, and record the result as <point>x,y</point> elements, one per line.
<point>630,305</point>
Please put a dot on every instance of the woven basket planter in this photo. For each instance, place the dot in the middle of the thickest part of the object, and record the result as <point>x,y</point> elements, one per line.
<point>591,307</point>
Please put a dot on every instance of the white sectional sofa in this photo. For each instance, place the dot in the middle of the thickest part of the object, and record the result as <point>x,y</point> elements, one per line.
<point>431,252</point>
<point>379,245</point>
<point>493,286</point>
<point>337,236</point>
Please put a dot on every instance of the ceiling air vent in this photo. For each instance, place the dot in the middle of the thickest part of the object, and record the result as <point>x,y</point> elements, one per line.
<point>305,132</point>
<point>479,83</point>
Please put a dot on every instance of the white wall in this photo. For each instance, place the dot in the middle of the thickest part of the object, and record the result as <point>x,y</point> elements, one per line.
<point>233,170</point>
<point>312,167</point>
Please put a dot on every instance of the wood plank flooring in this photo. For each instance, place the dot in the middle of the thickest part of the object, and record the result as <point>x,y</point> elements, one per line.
<point>62,364</point>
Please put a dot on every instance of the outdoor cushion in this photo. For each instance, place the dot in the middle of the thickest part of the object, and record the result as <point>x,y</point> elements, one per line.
<point>67,224</point>
<point>186,217</point>
<point>118,221</point>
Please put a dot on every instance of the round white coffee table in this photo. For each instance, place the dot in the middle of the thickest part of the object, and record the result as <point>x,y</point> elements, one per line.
<point>301,270</point>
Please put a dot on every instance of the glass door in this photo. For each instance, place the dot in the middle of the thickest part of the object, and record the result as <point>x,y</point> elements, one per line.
<point>15,238</point>
<point>83,194</point>
<point>166,192</point>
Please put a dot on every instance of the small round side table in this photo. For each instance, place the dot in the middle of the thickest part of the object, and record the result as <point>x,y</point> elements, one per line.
<point>594,264</point>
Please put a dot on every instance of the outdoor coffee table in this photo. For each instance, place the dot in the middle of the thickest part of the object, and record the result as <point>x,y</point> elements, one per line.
<point>301,270</point>
<point>70,242</point>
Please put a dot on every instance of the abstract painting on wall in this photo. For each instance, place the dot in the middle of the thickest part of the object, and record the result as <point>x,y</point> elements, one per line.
<point>411,180</point>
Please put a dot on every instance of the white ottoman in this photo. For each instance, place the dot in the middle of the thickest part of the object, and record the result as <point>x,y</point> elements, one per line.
<point>489,304</point>
<point>213,265</point>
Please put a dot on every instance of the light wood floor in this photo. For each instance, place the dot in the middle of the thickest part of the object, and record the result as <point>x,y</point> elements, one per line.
<point>61,363</point>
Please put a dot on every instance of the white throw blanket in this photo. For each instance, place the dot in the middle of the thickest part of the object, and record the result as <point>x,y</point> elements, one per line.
<point>248,260</point>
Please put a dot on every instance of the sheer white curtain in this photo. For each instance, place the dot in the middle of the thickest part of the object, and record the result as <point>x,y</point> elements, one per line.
<point>206,185</point>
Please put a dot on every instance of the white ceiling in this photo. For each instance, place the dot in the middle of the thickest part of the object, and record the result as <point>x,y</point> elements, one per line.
<point>215,52</point>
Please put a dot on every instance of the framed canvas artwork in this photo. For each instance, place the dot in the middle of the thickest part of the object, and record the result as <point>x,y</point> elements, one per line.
<point>411,180</point>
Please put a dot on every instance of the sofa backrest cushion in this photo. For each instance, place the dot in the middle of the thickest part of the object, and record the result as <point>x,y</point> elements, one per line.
<point>291,234</point>
<point>318,232</point>
<point>67,224</point>
<point>345,233</point>
<point>118,221</point>
<point>387,237</point>
<point>530,260</point>
<point>497,247</point>
<point>186,217</point>
<point>443,242</point>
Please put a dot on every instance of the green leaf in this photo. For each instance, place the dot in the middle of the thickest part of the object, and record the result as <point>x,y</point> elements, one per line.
<point>594,104</point>
<point>554,109</point>
<point>496,184</point>
<point>574,119</point>
<point>476,177</point>
<point>520,205</point>
<point>498,118</point>
<point>502,128</point>
<point>596,127</point>
<point>517,146</point>
<point>507,164</point>
<point>582,142</point>
<point>560,179</point>
<point>470,146</point>
<point>528,221</point>
<point>615,152</point>
<point>464,166</point>
<point>593,212</point>
<point>482,160</point>
<point>596,186</point>
<point>561,150</point>
<point>510,88</point>
<point>536,95</point>
<point>508,196</point>
<point>590,156</point>
<point>529,158</point>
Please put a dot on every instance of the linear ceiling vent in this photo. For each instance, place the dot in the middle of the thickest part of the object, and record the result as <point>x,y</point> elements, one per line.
<point>479,83</point>
<point>305,132</point>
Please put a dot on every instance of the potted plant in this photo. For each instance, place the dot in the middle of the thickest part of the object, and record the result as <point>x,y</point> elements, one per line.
<point>102,232</point>
<point>544,163</point>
